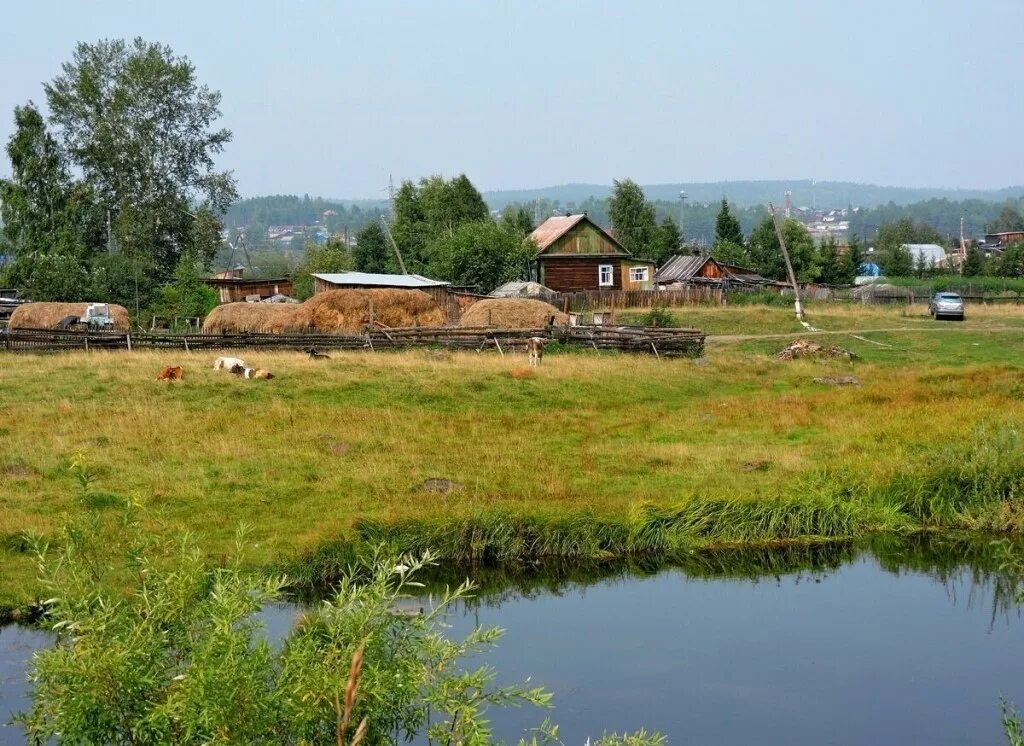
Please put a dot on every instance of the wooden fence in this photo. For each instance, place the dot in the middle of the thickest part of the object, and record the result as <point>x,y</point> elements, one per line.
<point>654,341</point>
<point>604,300</point>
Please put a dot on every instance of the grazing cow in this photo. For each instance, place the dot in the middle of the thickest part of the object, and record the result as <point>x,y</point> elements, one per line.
<point>315,354</point>
<point>535,347</point>
<point>227,363</point>
<point>170,373</point>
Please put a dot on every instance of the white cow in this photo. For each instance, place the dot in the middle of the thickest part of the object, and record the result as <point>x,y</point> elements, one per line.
<point>227,363</point>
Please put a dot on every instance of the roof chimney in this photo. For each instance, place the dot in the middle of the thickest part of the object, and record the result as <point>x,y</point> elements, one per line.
<point>584,213</point>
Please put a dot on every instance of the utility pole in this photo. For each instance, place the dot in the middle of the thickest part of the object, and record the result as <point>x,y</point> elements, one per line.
<point>963,246</point>
<point>682,218</point>
<point>394,245</point>
<point>789,265</point>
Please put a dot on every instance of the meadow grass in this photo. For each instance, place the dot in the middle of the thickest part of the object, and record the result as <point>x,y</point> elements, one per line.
<point>593,455</point>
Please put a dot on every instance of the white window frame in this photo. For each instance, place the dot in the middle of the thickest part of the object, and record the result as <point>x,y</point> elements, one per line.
<point>639,274</point>
<point>601,270</point>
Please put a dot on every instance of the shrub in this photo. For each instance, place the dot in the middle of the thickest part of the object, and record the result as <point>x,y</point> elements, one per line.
<point>165,648</point>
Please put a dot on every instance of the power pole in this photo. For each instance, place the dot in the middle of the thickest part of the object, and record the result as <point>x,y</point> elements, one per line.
<point>963,246</point>
<point>789,265</point>
<point>394,245</point>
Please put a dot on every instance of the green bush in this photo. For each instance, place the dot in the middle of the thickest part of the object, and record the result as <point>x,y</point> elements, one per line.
<point>165,648</point>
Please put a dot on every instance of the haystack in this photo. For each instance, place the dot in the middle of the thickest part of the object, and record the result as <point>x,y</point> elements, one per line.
<point>273,318</point>
<point>512,313</point>
<point>49,315</point>
<point>352,310</point>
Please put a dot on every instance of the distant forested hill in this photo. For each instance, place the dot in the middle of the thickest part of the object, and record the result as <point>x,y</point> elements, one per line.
<point>752,193</point>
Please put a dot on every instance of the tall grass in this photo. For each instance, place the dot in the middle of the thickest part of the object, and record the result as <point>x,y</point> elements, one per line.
<point>977,482</point>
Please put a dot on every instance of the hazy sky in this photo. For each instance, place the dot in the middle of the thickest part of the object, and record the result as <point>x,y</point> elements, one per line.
<point>330,98</point>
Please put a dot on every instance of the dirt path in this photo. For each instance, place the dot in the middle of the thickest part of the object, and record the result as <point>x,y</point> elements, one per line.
<point>821,332</point>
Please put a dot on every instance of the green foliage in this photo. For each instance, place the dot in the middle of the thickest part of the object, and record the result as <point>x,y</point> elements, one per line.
<point>480,254</point>
<point>1011,262</point>
<point>633,217</point>
<point>727,227</point>
<point>852,259</point>
<point>132,119</point>
<point>832,268</point>
<point>178,656</point>
<point>372,252</point>
<point>667,242</point>
<point>895,262</point>
<point>333,256</point>
<point>660,316</point>
<point>517,220</point>
<point>430,209</point>
<point>731,253</point>
<point>1009,219</point>
<point>188,296</point>
<point>766,254</point>
<point>974,264</point>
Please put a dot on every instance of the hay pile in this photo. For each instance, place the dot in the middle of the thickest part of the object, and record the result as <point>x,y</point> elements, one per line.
<point>48,315</point>
<point>352,310</point>
<point>272,318</point>
<point>512,313</point>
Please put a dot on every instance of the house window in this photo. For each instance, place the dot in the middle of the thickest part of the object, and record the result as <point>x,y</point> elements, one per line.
<point>605,276</point>
<point>638,274</point>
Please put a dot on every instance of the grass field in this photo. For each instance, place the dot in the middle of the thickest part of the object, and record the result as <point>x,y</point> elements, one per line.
<point>592,453</point>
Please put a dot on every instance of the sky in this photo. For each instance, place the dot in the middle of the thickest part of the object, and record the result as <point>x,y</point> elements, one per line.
<point>334,98</point>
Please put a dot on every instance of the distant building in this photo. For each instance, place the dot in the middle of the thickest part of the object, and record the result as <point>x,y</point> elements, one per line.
<point>577,254</point>
<point>1003,239</point>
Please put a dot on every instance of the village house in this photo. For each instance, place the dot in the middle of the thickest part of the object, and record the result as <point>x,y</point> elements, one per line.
<point>575,254</point>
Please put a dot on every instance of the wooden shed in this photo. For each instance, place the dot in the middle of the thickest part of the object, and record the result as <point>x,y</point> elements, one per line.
<point>235,289</point>
<point>440,290</point>
<point>575,254</point>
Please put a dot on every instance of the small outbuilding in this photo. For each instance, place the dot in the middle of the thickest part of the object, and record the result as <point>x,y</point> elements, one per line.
<point>368,280</point>
<point>233,288</point>
<point>688,269</point>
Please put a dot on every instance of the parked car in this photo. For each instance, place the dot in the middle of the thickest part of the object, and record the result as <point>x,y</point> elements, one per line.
<point>947,306</point>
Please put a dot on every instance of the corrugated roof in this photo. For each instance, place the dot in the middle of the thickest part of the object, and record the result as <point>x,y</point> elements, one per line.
<point>679,268</point>
<point>371,279</point>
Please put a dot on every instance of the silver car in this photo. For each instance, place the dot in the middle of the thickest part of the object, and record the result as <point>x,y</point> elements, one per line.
<point>947,306</point>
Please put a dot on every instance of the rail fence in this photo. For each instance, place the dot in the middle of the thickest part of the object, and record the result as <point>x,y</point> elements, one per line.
<point>648,340</point>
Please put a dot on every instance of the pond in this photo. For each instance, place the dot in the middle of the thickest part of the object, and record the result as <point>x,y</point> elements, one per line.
<point>900,641</point>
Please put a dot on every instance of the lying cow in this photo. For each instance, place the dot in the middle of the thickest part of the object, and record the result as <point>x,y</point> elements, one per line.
<point>227,363</point>
<point>257,374</point>
<point>535,348</point>
<point>170,373</point>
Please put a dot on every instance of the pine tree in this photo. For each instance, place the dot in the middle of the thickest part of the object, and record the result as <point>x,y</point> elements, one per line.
<point>727,226</point>
<point>974,263</point>
<point>667,242</point>
<point>372,253</point>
